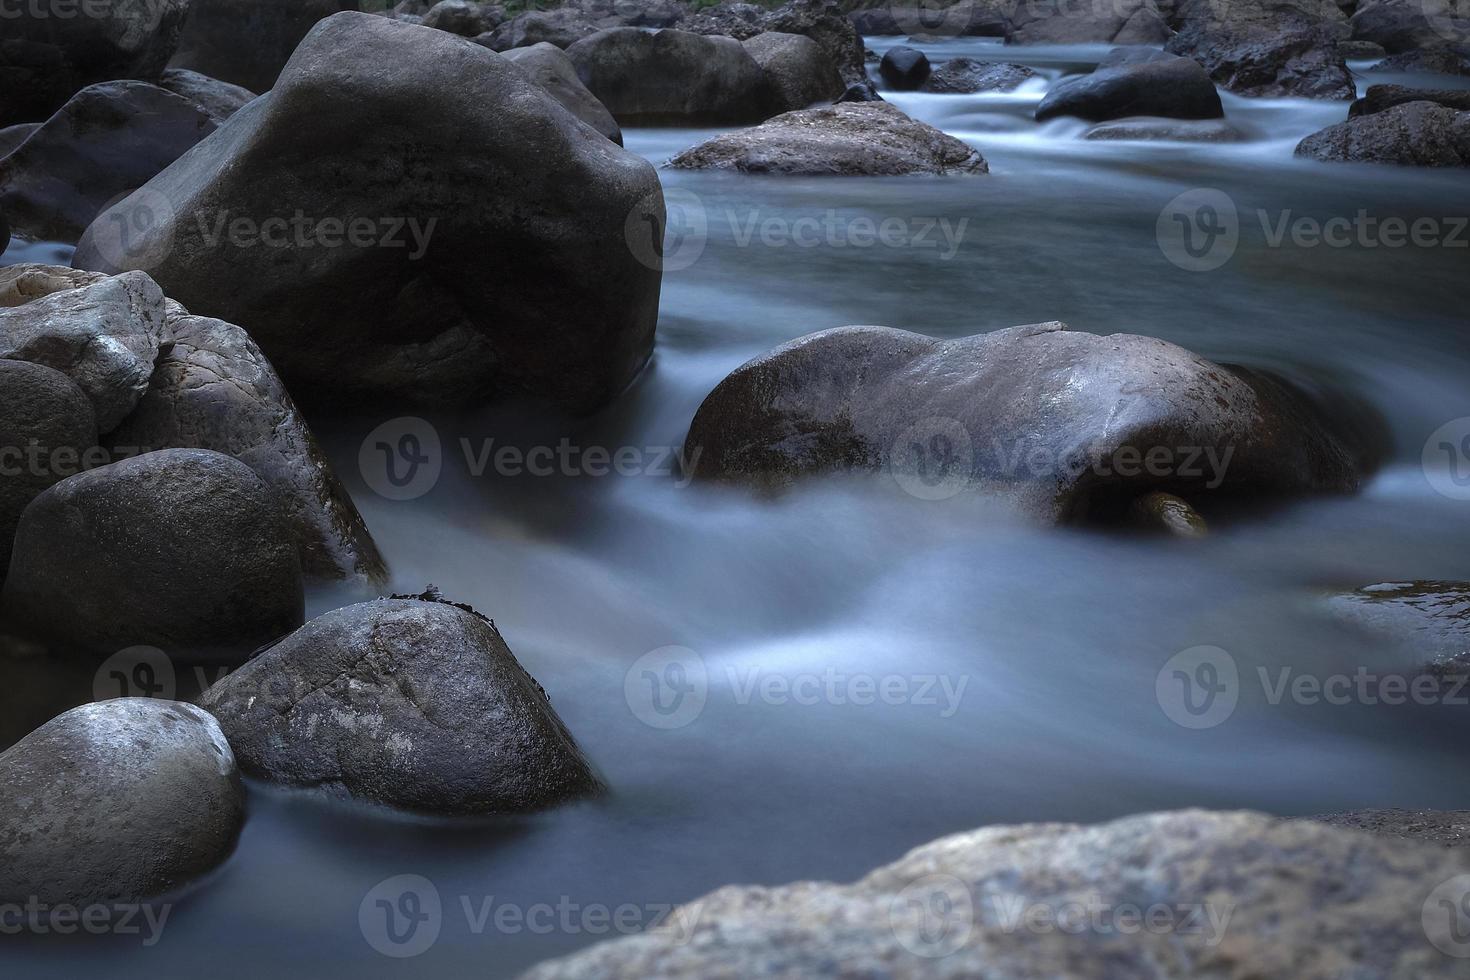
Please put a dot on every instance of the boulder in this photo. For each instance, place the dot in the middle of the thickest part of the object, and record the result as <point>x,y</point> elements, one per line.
<point>673,77</point>
<point>1418,134</point>
<point>463,17</point>
<point>1382,97</point>
<point>825,23</point>
<point>847,139</point>
<point>21,283</point>
<point>107,141</point>
<point>1173,130</point>
<point>1408,25</point>
<point>1447,828</point>
<point>46,427</point>
<point>549,67</point>
<point>1267,48</point>
<point>434,286</point>
<point>738,20</point>
<point>45,59</point>
<point>1118,22</point>
<point>410,702</point>
<point>1428,621</point>
<point>12,137</point>
<point>105,336</point>
<point>248,42</point>
<point>1175,88</point>
<point>798,69</point>
<point>631,13</point>
<point>904,68</point>
<point>876,22</point>
<point>118,801</point>
<point>966,75</point>
<point>562,27</point>
<point>183,549</point>
<point>1184,894</point>
<point>965,18</point>
<point>215,390</point>
<point>1431,61</point>
<point>1360,50</point>
<point>1054,421</point>
<point>216,99</point>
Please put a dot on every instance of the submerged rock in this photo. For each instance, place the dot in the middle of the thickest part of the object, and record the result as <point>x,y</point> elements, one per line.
<point>799,70</point>
<point>117,802</point>
<point>108,140</point>
<point>904,68</point>
<point>1429,621</point>
<point>1159,511</point>
<point>847,139</point>
<point>185,550</point>
<point>1265,48</point>
<point>549,67</point>
<point>387,250</point>
<point>413,703</point>
<point>1229,894</point>
<point>1175,130</point>
<point>966,75</point>
<point>1419,134</point>
<point>1066,425</point>
<point>1175,88</point>
<point>248,42</point>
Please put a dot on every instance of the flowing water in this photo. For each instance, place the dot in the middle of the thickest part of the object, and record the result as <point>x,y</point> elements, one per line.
<point>1016,666</point>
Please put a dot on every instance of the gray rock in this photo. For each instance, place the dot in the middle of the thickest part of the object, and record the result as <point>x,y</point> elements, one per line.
<point>798,68</point>
<point>216,99</point>
<point>1382,97</point>
<point>45,60</point>
<point>549,67</point>
<point>414,704</point>
<point>46,424</point>
<point>1360,50</point>
<point>826,23</point>
<point>1232,894</point>
<point>184,549</point>
<point>965,18</point>
<point>1432,61</point>
<point>1174,130</point>
<point>904,68</point>
<point>1407,25</point>
<point>117,802</point>
<point>248,42</point>
<point>565,312</point>
<point>1175,88</point>
<point>13,136</point>
<point>1418,134</point>
<point>966,75</point>
<point>1267,48</point>
<point>563,28</point>
<point>1119,22</point>
<point>847,139</point>
<point>463,17</point>
<point>1448,828</point>
<point>105,336</point>
<point>977,413</point>
<point>631,13</point>
<point>215,390</point>
<point>673,77</point>
<point>1429,621</point>
<point>107,141</point>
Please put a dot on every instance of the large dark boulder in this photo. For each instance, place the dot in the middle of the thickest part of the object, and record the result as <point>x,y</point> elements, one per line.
<point>1379,98</point>
<point>1408,25</point>
<point>410,702</point>
<point>117,802</point>
<point>216,99</point>
<point>549,66</point>
<point>464,17</point>
<point>46,56</point>
<point>904,68</point>
<point>1267,48</point>
<point>46,428</point>
<point>798,68</point>
<point>448,292</point>
<point>1417,134</point>
<point>107,141</point>
<point>673,77</point>
<point>105,335</point>
<point>966,75</point>
<point>825,23</point>
<point>1117,22</point>
<point>185,550</point>
<point>847,139</point>
<point>1057,422</point>
<point>215,390</point>
<point>1184,894</point>
<point>1174,88</point>
<point>248,42</point>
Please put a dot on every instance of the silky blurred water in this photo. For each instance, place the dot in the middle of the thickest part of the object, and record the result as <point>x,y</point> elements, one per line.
<point>1042,646</point>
